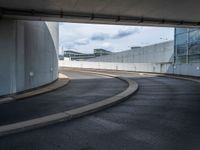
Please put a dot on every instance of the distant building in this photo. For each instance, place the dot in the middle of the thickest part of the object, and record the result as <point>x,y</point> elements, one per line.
<point>73,55</point>
<point>77,56</point>
<point>61,57</point>
<point>69,53</point>
<point>101,52</point>
<point>135,47</point>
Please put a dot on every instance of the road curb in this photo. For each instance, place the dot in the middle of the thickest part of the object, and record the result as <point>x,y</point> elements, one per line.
<point>62,81</point>
<point>181,78</point>
<point>74,113</point>
<point>189,78</point>
<point>172,76</point>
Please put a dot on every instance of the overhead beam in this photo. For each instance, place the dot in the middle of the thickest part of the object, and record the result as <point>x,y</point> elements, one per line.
<point>31,14</point>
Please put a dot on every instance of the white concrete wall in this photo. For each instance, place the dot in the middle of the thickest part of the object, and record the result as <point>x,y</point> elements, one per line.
<point>185,69</point>
<point>156,58</point>
<point>146,67</point>
<point>28,55</point>
<point>162,52</point>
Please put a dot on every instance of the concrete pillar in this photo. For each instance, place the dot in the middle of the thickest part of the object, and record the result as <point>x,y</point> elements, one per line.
<point>28,55</point>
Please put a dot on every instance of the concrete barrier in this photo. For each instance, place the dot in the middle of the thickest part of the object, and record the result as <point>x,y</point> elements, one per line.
<point>166,68</point>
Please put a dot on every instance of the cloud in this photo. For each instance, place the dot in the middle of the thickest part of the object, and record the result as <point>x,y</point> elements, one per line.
<point>83,41</point>
<point>86,37</point>
<point>120,34</point>
<point>107,45</point>
<point>73,43</point>
<point>68,45</point>
<point>125,33</point>
<point>100,37</point>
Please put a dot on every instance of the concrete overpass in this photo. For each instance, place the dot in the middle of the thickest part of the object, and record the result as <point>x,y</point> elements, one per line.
<point>31,48</point>
<point>163,114</point>
<point>126,12</point>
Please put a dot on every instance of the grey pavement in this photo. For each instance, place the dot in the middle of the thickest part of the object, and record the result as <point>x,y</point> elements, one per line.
<point>162,115</point>
<point>83,89</point>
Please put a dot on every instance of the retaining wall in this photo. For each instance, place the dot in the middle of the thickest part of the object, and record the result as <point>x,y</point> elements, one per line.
<point>162,52</point>
<point>181,69</point>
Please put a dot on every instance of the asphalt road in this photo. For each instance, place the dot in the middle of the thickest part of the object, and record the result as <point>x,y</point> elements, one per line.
<point>163,115</point>
<point>83,89</point>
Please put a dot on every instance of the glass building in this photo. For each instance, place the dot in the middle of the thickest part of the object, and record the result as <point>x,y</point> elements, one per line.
<point>187,45</point>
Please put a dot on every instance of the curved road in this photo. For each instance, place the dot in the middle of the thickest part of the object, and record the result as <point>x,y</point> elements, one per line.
<point>163,115</point>
<point>83,88</point>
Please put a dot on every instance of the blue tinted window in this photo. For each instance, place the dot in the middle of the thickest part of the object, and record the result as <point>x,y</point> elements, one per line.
<point>181,39</point>
<point>181,50</point>
<point>181,59</point>
<point>187,40</point>
<point>193,29</point>
<point>194,58</point>
<point>194,36</point>
<point>194,48</point>
<point>181,30</point>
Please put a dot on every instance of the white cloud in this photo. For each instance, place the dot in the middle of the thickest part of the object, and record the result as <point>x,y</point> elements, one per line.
<point>121,33</point>
<point>126,32</point>
<point>100,36</point>
<point>107,45</point>
<point>83,41</point>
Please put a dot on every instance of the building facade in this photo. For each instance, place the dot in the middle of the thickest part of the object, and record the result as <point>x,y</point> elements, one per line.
<point>187,46</point>
<point>101,52</point>
<point>77,56</point>
<point>73,55</point>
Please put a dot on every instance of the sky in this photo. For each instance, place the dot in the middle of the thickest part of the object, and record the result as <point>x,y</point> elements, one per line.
<point>87,37</point>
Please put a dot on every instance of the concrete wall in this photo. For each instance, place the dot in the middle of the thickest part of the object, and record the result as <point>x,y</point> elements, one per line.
<point>184,69</point>
<point>156,58</point>
<point>28,55</point>
<point>162,52</point>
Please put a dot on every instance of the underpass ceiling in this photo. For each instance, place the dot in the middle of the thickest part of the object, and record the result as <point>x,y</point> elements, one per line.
<point>139,12</point>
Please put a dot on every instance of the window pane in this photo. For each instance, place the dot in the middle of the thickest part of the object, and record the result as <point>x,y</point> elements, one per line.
<point>193,29</point>
<point>194,48</point>
<point>181,50</point>
<point>181,59</point>
<point>194,58</point>
<point>194,36</point>
<point>181,30</point>
<point>181,39</point>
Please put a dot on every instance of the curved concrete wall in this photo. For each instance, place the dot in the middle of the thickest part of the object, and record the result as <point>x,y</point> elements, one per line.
<point>28,55</point>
